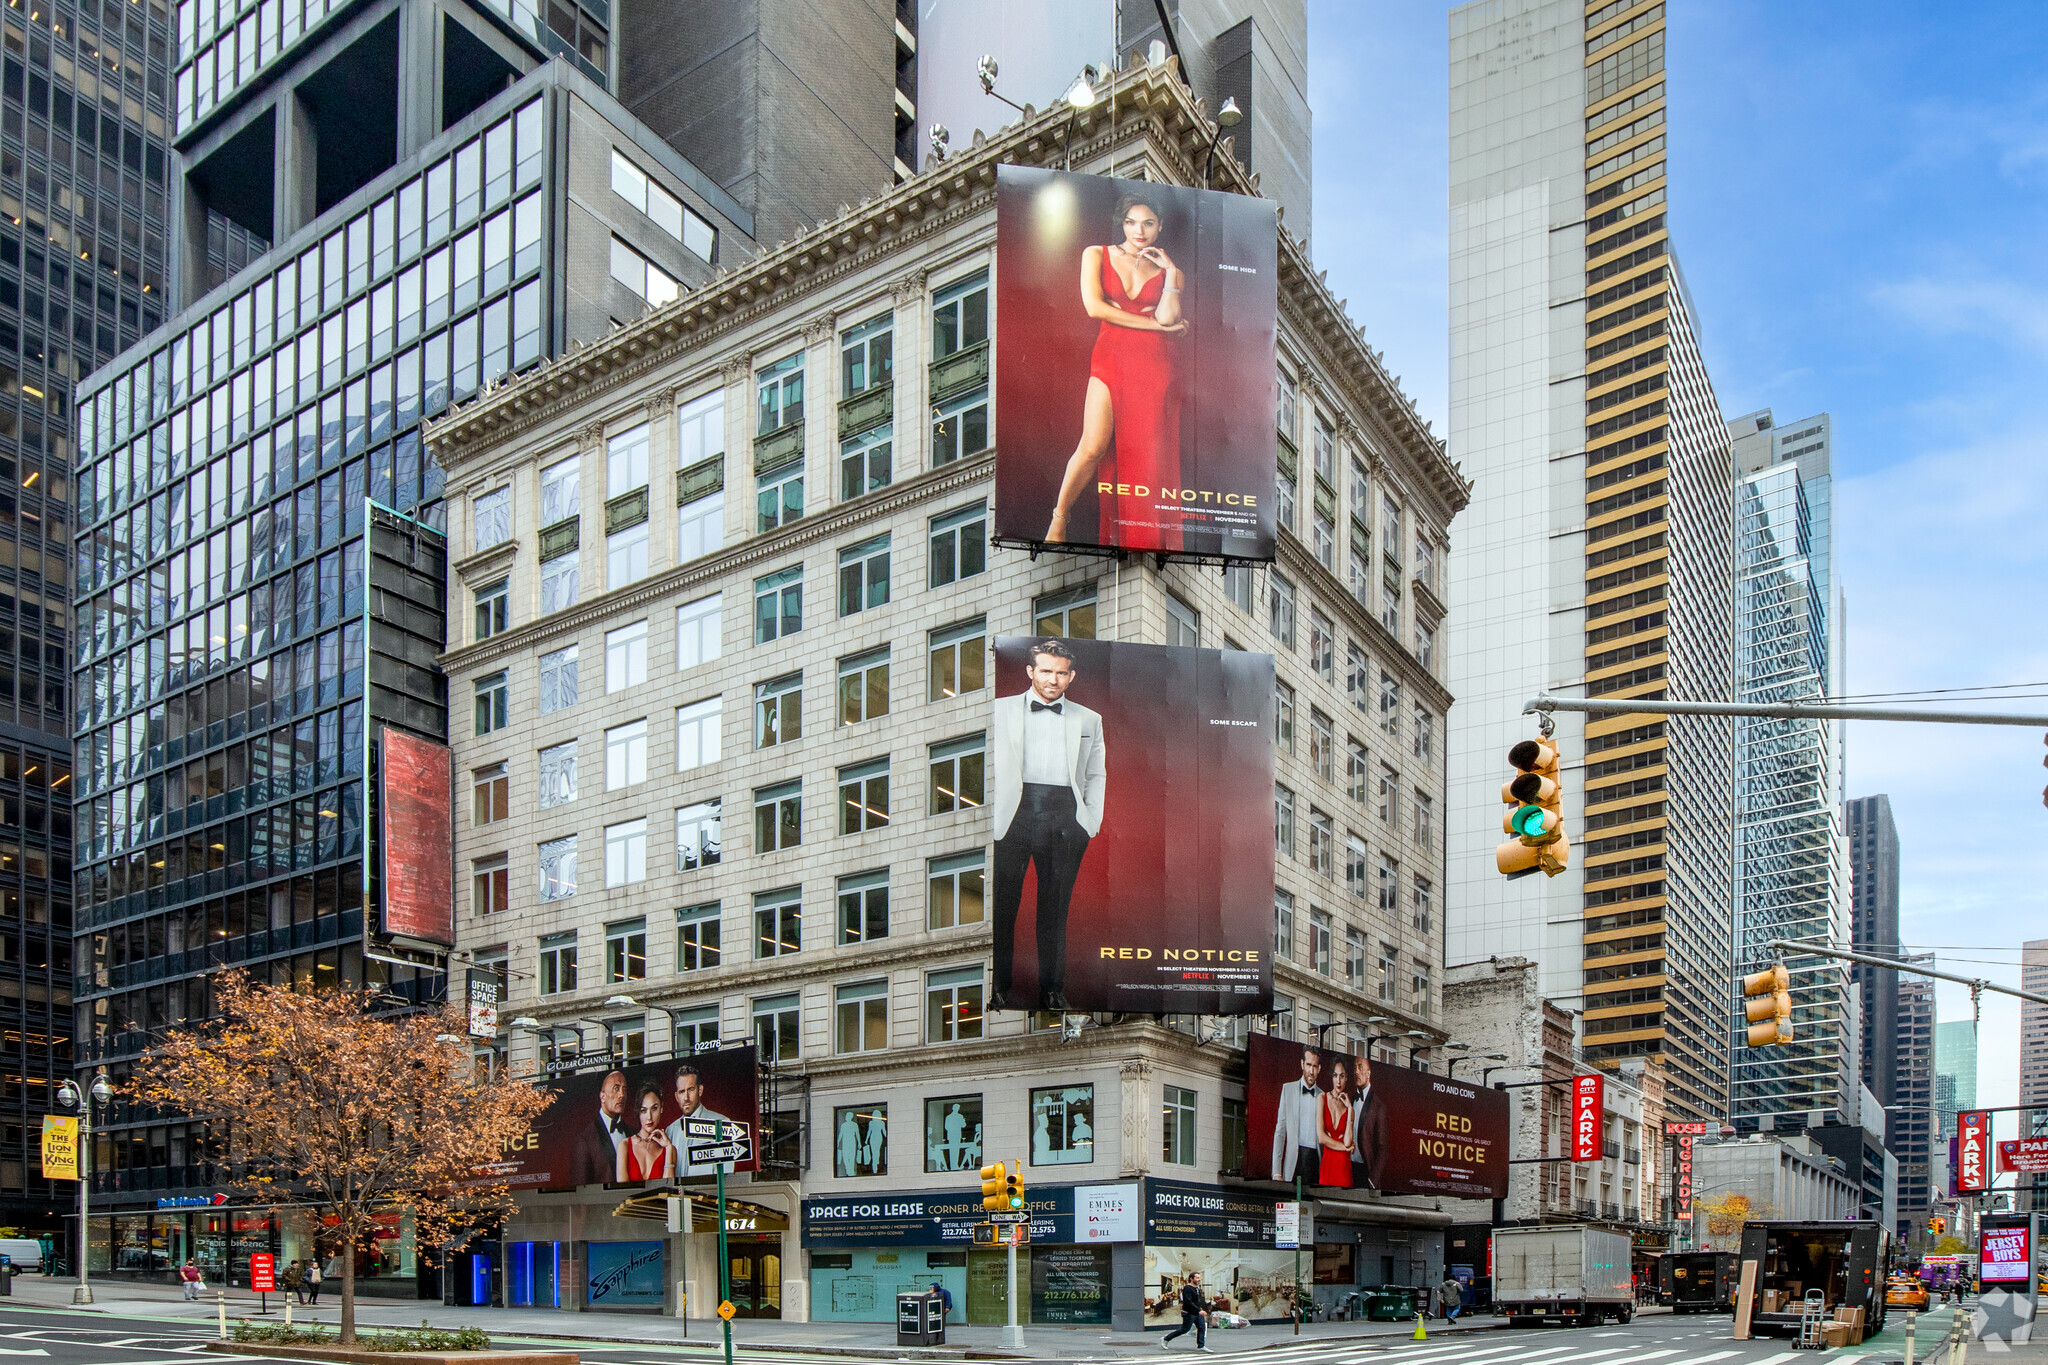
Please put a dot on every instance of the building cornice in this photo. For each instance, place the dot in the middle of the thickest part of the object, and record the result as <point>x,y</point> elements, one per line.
<point>1296,560</point>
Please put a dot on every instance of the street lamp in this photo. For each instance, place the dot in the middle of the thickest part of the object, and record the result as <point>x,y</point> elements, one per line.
<point>1511,1066</point>
<point>1229,116</point>
<point>69,1096</point>
<point>627,1002</point>
<point>1452,1070</point>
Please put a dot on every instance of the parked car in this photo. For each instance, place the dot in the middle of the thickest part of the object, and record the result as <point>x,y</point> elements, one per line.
<point>24,1253</point>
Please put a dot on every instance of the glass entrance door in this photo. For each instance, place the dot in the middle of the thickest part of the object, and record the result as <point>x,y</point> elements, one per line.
<point>755,1269</point>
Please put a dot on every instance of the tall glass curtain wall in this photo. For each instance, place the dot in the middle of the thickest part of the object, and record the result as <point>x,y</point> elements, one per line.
<point>223,482</point>
<point>82,194</point>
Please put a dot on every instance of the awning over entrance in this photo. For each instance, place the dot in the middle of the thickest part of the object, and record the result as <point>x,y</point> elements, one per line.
<point>701,1214</point>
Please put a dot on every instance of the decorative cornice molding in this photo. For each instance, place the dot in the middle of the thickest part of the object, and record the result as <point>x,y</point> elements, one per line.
<point>488,563</point>
<point>1296,559</point>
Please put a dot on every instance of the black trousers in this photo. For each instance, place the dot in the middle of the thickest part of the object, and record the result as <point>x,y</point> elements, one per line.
<point>1043,832</point>
<point>1194,1320</point>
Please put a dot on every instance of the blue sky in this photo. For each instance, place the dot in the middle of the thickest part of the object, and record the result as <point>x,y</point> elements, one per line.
<point>1859,195</point>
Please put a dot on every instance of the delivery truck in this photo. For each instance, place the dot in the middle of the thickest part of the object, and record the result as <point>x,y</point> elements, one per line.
<point>1697,1281</point>
<point>1843,1265</point>
<point>1573,1274</point>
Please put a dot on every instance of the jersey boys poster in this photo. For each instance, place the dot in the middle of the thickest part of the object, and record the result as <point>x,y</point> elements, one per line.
<point>1134,365</point>
<point>1133,827</point>
<point>1335,1119</point>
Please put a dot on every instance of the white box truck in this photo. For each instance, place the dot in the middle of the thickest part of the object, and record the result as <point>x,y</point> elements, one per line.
<point>1572,1274</point>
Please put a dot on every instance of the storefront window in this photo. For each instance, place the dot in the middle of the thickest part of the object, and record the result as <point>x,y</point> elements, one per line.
<point>860,1140</point>
<point>952,1133</point>
<point>1063,1125</point>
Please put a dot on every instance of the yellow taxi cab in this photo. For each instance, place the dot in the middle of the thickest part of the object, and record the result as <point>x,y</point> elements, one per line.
<point>1905,1291</point>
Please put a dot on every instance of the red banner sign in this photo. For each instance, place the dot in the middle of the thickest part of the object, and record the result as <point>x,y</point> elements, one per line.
<point>1587,1093</point>
<point>1973,1151</point>
<point>1682,1169</point>
<point>262,1272</point>
<point>2027,1156</point>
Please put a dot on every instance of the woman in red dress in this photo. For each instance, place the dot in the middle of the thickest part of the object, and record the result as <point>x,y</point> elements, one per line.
<point>1134,290</point>
<point>1333,1128</point>
<point>648,1154</point>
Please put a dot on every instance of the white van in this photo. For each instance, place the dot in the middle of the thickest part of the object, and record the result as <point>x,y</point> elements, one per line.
<point>25,1252</point>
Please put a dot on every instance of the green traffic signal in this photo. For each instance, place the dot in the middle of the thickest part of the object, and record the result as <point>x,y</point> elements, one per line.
<point>1532,822</point>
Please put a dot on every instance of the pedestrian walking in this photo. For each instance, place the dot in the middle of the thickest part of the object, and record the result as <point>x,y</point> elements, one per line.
<point>1453,1297</point>
<point>193,1281</point>
<point>295,1280</point>
<point>1193,1313</point>
<point>313,1279</point>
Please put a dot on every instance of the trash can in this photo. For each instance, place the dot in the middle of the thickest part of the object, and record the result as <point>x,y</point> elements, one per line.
<point>934,1319</point>
<point>920,1320</point>
<point>1390,1303</point>
<point>8,1270</point>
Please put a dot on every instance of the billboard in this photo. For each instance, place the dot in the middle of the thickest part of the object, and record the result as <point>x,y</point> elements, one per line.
<point>2002,1254</point>
<point>1133,827</point>
<point>2026,1156</point>
<point>60,1147</point>
<point>625,1126</point>
<point>417,837</point>
<point>1135,369</point>
<point>1339,1121</point>
<point>1973,1151</point>
<point>1587,1123</point>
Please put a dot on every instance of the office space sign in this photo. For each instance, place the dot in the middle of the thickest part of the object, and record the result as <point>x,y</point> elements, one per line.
<point>1973,1151</point>
<point>1587,1095</point>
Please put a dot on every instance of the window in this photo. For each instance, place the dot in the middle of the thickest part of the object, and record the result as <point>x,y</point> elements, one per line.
<point>1390,607</point>
<point>779,604</point>
<point>558,775</point>
<point>779,496</point>
<point>1322,645</point>
<point>866,356</point>
<point>953,1133</point>
<point>1237,586</point>
<point>1287,406</point>
<point>698,632</point>
<point>558,680</point>
<point>1183,624</point>
<point>1063,1125</point>
<point>1285,497</point>
<point>1283,717</point>
<point>697,835</point>
<point>1233,1136</point>
<point>492,701</point>
<point>558,869</point>
<point>864,686</point>
<point>1355,958</point>
<point>1282,621</point>
<point>1390,705</point>
<point>1425,905</point>
<point>779,395</point>
<point>1283,925</point>
<point>625,950</point>
<point>778,922</point>
<point>558,580</point>
<point>1177,1127</point>
<point>1390,887</point>
<point>490,793</point>
<point>1283,821</point>
<point>625,657</point>
<point>865,462</point>
<point>626,462</point>
<point>641,275</point>
<point>959,544</point>
<point>860,1132</point>
<point>864,796</point>
<point>696,1030</point>
<point>625,755</point>
<point>1356,777</point>
<point>493,608</point>
<point>959,316</point>
<point>1420,984</point>
<point>670,214</point>
<point>1358,677</point>
<point>558,964</point>
<point>864,575</point>
<point>700,479</point>
<point>1425,820</point>
<point>1425,734</point>
<point>954,888</point>
<point>1322,745</point>
<point>625,856</point>
<point>697,734</point>
<point>952,1005</point>
<point>697,940</point>
<point>960,427</point>
<point>560,490</point>
<point>490,885</point>
<point>778,710</point>
<point>860,1024</point>
<point>1319,934</point>
<point>1322,843</point>
<point>864,907</point>
<point>957,773</point>
<point>490,519</point>
<point>958,659</point>
<point>778,816</point>
<point>1356,879</point>
<point>1358,569</point>
<point>1390,797</point>
<point>778,1024</point>
<point>625,556</point>
<point>1390,971</point>
<point>1390,521</point>
<point>1070,613</point>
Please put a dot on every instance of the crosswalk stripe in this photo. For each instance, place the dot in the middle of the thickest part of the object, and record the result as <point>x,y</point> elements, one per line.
<point>1723,1355</point>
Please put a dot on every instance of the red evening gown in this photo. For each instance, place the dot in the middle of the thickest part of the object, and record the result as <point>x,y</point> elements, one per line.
<point>1142,373</point>
<point>1335,1168</point>
<point>634,1171</point>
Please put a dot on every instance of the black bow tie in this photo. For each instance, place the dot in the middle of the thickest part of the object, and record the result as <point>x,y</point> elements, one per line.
<point>1054,707</point>
<point>618,1127</point>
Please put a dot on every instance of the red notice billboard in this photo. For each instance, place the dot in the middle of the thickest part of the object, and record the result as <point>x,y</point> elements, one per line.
<point>417,836</point>
<point>1587,1093</point>
<point>1135,327</point>
<point>627,1125</point>
<point>1336,1120</point>
<point>1973,1151</point>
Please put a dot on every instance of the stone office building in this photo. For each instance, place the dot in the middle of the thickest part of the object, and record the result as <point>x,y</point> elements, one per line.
<point>721,601</point>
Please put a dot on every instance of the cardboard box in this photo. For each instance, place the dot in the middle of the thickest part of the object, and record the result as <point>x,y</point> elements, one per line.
<point>1836,1334</point>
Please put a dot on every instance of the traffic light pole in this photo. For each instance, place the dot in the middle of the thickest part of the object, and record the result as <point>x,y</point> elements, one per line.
<point>1013,1333</point>
<point>1790,710</point>
<point>1975,983</point>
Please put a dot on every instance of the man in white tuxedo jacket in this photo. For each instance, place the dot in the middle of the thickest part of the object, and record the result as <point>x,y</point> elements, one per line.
<point>1050,776</point>
<point>1295,1128</point>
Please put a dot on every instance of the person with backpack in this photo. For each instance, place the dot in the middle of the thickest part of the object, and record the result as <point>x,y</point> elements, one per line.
<point>313,1279</point>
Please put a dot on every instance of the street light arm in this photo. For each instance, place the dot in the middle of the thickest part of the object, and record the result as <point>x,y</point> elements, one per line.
<point>1975,983</point>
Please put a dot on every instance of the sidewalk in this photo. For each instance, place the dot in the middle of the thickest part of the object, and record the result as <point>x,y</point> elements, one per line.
<point>509,1325</point>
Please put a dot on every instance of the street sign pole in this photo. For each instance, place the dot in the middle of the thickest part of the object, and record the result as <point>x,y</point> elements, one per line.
<point>724,1268</point>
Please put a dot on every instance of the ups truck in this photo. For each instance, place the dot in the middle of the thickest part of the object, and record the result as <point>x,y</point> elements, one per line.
<point>1846,1262</point>
<point>1570,1274</point>
<point>1697,1281</point>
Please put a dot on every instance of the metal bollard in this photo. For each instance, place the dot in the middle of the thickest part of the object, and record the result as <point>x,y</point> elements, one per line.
<point>287,1312</point>
<point>1909,1336</point>
<point>220,1304</point>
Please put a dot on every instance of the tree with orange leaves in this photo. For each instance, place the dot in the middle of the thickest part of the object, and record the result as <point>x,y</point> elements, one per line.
<point>319,1101</point>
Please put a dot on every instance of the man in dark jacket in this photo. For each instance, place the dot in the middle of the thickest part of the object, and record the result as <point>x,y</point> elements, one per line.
<point>1192,1314</point>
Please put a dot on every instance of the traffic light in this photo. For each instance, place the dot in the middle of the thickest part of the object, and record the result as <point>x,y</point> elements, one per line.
<point>1937,1226</point>
<point>1769,1007</point>
<point>1534,798</point>
<point>1002,1189</point>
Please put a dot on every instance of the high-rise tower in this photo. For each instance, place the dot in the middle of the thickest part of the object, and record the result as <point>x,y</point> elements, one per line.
<point>1601,558</point>
<point>1874,918</point>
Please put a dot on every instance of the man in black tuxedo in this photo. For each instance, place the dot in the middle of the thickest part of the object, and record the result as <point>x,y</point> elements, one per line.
<point>596,1156</point>
<point>1369,1125</point>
